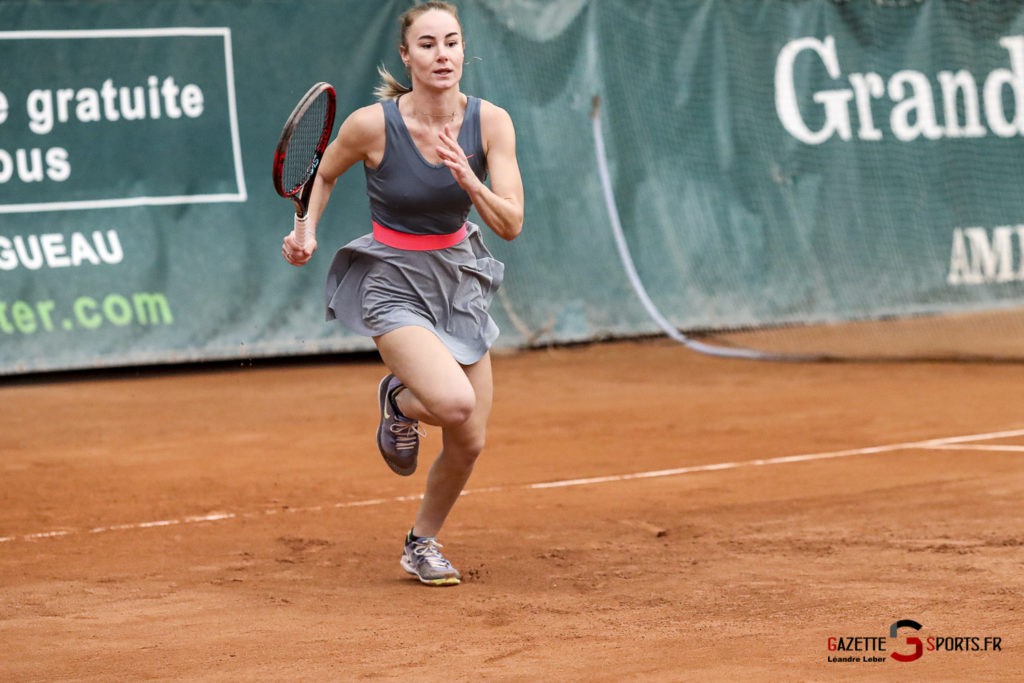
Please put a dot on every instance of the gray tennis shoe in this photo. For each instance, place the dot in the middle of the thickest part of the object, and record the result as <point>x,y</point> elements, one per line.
<point>423,559</point>
<point>398,437</point>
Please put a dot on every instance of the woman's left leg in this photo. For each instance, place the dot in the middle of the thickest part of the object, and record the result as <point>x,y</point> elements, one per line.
<point>461,445</point>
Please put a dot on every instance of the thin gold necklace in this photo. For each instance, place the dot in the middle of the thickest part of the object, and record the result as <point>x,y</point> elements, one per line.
<point>449,117</point>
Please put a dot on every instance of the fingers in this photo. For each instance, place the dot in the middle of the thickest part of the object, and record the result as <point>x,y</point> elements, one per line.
<point>294,254</point>
<point>289,256</point>
<point>450,146</point>
<point>296,259</point>
<point>454,157</point>
<point>446,136</point>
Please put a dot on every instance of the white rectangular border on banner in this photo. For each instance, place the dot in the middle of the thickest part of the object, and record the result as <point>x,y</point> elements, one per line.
<point>239,196</point>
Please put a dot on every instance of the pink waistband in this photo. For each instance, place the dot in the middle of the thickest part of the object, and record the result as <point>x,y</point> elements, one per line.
<point>403,240</point>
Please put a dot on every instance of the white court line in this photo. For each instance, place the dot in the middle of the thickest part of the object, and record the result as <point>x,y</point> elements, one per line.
<point>948,443</point>
<point>977,437</point>
<point>977,447</point>
<point>931,443</point>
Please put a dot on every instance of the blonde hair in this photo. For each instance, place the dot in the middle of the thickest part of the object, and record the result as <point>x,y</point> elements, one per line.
<point>389,87</point>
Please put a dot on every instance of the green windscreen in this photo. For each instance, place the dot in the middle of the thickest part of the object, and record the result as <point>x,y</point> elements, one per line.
<point>812,179</point>
<point>773,179</point>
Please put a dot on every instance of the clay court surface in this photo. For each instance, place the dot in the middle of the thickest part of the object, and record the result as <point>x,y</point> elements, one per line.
<point>236,523</point>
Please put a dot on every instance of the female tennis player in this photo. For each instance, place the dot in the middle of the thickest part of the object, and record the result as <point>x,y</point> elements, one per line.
<point>420,284</point>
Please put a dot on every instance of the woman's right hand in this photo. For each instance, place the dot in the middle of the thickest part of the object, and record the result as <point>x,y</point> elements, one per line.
<point>294,253</point>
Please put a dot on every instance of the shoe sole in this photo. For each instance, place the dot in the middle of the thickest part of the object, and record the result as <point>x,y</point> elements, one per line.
<point>448,581</point>
<point>382,390</point>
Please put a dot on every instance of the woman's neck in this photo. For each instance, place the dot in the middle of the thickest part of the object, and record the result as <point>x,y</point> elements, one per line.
<point>435,109</point>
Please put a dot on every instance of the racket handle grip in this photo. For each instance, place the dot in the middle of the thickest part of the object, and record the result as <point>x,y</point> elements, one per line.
<point>300,229</point>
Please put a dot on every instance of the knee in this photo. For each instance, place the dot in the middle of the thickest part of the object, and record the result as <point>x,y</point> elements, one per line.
<point>454,409</point>
<point>466,449</point>
<point>473,447</point>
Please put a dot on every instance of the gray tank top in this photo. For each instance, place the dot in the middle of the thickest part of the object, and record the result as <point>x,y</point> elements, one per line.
<point>408,193</point>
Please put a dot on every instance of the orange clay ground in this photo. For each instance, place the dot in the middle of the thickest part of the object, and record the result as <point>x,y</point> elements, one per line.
<point>236,523</point>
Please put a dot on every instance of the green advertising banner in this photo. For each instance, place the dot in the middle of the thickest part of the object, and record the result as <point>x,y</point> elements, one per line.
<point>137,219</point>
<point>772,163</point>
<point>98,131</point>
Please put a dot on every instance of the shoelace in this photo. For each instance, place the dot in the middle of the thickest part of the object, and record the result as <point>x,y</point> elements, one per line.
<point>407,434</point>
<point>429,550</point>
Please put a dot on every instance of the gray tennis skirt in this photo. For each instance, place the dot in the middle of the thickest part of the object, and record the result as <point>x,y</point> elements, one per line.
<point>373,289</point>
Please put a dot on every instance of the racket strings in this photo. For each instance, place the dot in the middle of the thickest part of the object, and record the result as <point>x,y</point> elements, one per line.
<point>302,147</point>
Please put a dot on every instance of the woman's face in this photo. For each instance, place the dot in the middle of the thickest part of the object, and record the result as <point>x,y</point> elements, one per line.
<point>433,50</point>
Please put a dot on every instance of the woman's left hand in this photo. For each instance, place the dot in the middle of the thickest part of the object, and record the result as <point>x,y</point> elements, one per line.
<point>455,159</point>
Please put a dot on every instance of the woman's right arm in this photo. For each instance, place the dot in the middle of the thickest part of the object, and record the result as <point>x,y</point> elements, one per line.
<point>359,137</point>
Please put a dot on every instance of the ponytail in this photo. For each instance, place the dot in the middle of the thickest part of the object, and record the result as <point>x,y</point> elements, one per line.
<point>388,88</point>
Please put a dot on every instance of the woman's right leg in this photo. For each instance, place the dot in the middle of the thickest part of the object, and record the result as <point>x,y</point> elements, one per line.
<point>438,391</point>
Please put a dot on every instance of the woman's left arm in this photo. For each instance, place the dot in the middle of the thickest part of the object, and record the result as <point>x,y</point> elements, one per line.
<point>500,205</point>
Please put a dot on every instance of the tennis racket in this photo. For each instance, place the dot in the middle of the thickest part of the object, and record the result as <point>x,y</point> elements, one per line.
<point>300,149</point>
